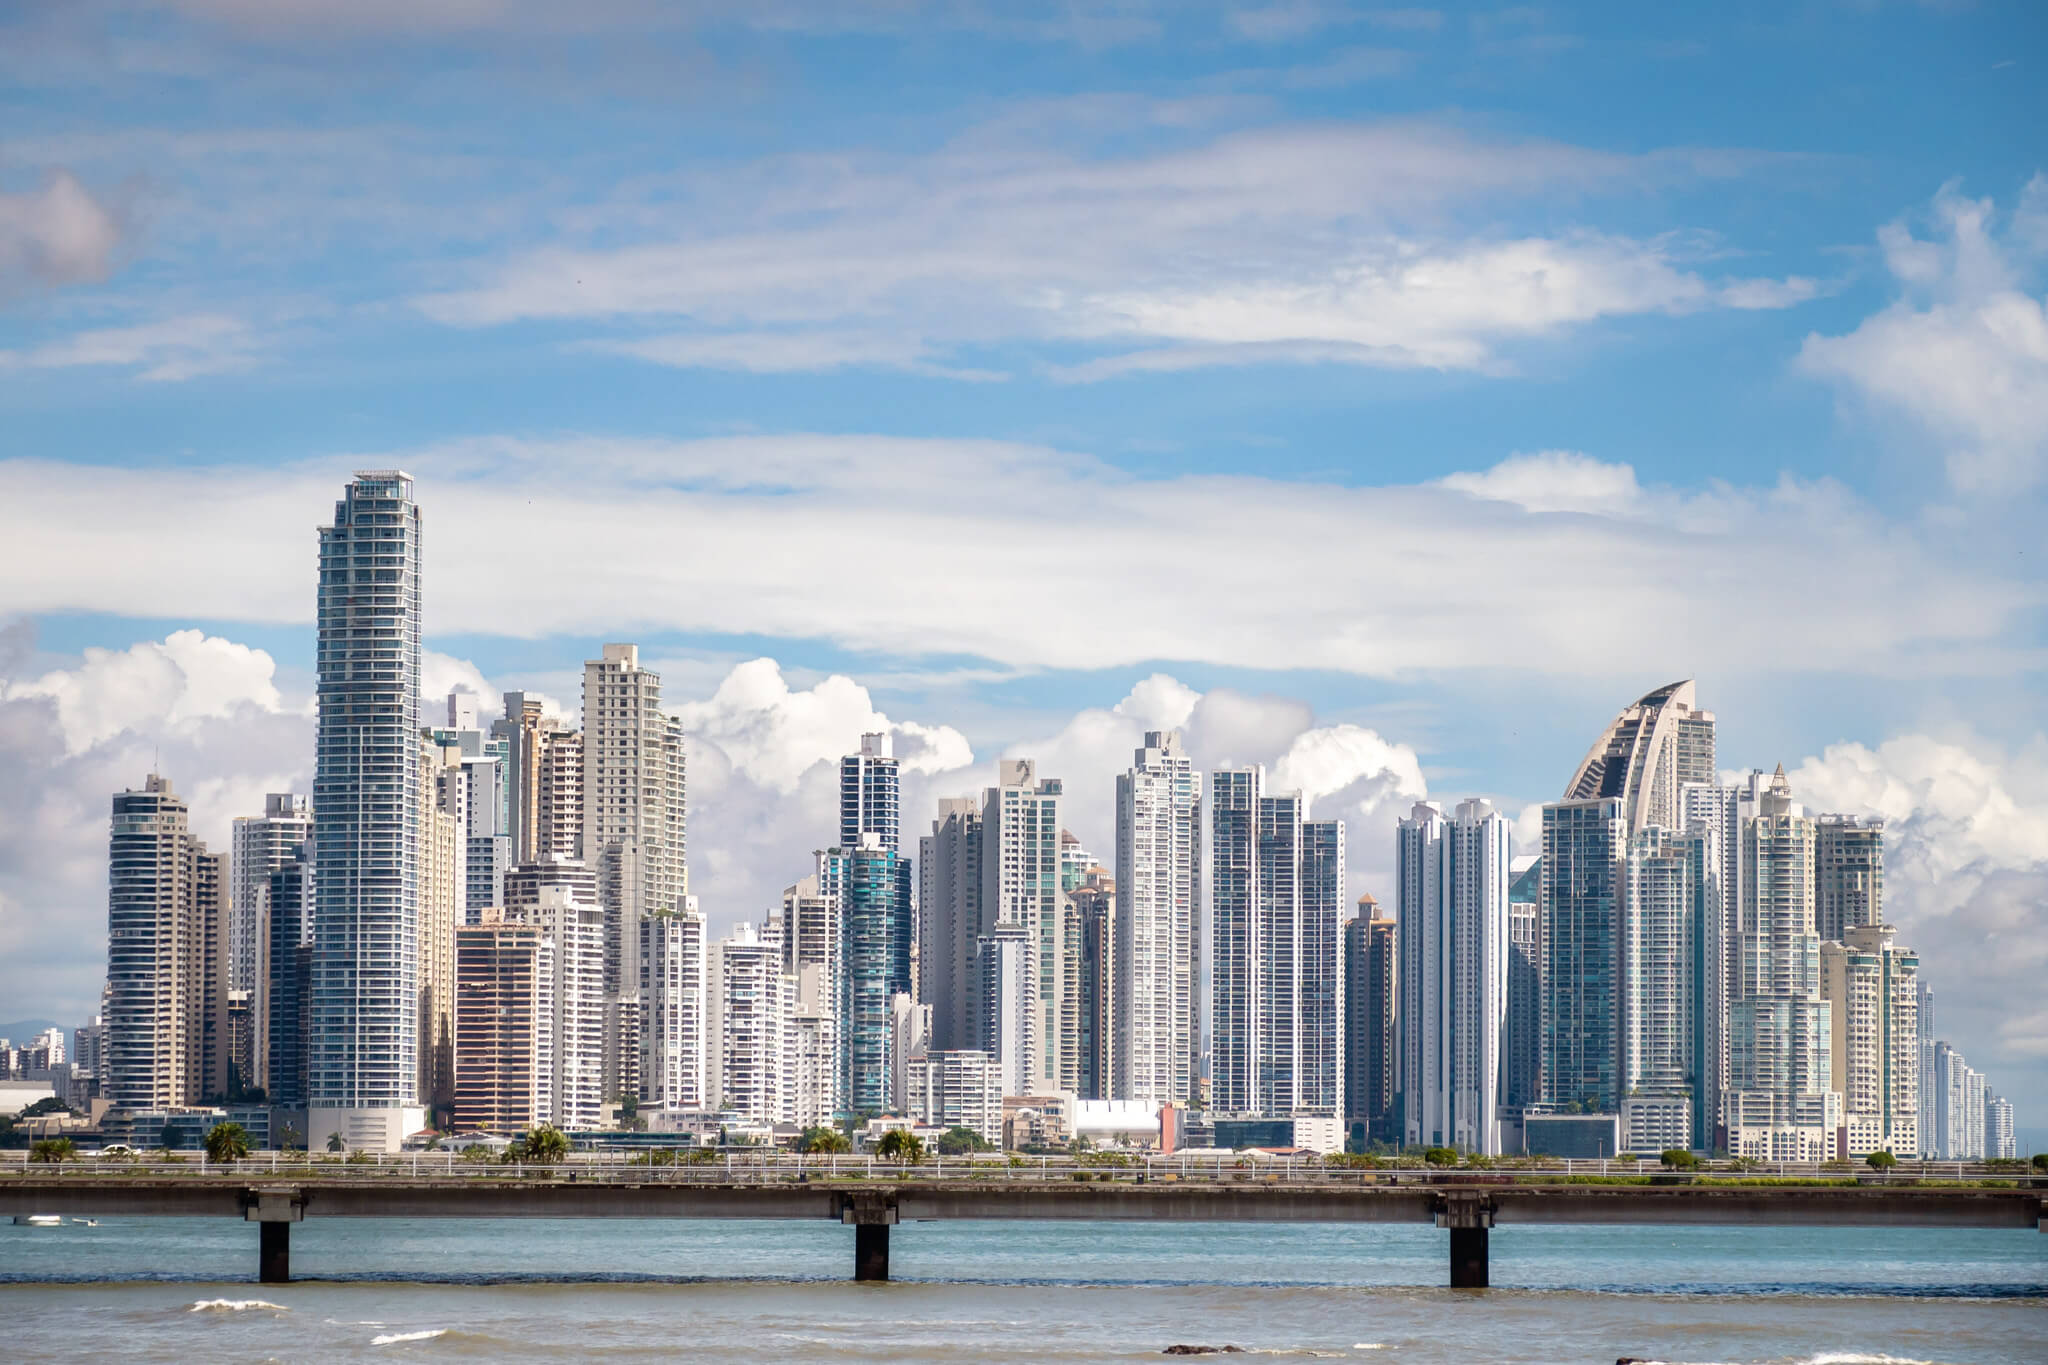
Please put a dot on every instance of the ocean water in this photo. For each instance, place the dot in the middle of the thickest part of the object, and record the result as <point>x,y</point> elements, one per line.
<point>541,1290</point>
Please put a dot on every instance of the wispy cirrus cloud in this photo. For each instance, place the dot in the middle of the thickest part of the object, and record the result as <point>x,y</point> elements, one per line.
<point>1332,238</point>
<point>173,349</point>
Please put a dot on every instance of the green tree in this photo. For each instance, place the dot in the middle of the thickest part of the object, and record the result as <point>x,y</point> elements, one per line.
<point>51,1149</point>
<point>1441,1156</point>
<point>1678,1159</point>
<point>335,1143</point>
<point>900,1144</point>
<point>823,1141</point>
<point>226,1142</point>
<point>433,1142</point>
<point>290,1139</point>
<point>961,1141</point>
<point>1880,1160</point>
<point>543,1145</point>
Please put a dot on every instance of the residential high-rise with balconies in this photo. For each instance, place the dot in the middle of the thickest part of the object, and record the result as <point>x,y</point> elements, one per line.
<point>505,1023</point>
<point>1872,989</point>
<point>1662,972</point>
<point>1781,1105</point>
<point>167,956</point>
<point>674,1008</point>
<point>870,794</point>
<point>363,1064</point>
<point>1020,884</point>
<point>633,801</point>
<point>1453,878</point>
<point>752,1005</point>
<point>1158,922</point>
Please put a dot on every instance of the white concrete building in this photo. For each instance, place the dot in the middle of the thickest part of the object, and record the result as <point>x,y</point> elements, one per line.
<point>1020,885</point>
<point>1453,944</point>
<point>1661,979</point>
<point>363,1063</point>
<point>674,1008</point>
<point>633,801</point>
<point>958,1089</point>
<point>1780,1106</point>
<point>814,1052</point>
<point>1156,1036</point>
<point>575,927</point>
<point>751,1006</point>
<point>1872,990</point>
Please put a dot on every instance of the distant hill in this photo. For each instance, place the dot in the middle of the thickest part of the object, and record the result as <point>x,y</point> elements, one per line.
<point>20,1031</point>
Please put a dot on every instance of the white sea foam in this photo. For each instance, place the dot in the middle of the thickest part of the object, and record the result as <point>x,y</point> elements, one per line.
<point>393,1338</point>
<point>1861,1358</point>
<point>235,1306</point>
<point>1369,1346</point>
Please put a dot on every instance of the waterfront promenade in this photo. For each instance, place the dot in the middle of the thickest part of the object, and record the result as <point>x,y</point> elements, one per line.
<point>277,1190</point>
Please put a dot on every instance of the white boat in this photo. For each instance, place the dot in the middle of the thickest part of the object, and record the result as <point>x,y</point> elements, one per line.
<point>38,1220</point>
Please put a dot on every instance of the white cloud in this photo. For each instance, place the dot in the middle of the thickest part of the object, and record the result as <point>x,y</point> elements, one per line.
<point>152,688</point>
<point>55,235</point>
<point>174,349</point>
<point>441,674</point>
<point>1310,241</point>
<point>1966,880</point>
<point>1963,353</point>
<point>1555,481</point>
<point>773,734</point>
<point>786,352</point>
<point>1447,585</point>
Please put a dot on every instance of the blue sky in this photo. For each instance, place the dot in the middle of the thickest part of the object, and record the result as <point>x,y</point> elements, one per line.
<point>1413,385</point>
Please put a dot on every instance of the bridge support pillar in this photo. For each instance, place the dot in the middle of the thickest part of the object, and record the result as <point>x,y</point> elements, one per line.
<point>1468,1258</point>
<point>1468,1215</point>
<point>870,1251</point>
<point>870,1218</point>
<point>274,1258</point>
<point>273,1212</point>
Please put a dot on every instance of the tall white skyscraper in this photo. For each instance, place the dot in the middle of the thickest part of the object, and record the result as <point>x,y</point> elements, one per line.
<point>1780,1105</point>
<point>1020,870</point>
<point>674,1008</point>
<point>752,1006</point>
<point>363,1061</point>
<point>1453,976</point>
<point>1714,813</point>
<point>1277,904</point>
<point>166,1005</point>
<point>477,791</point>
<point>632,798</point>
<point>1872,989</point>
<point>1158,919</point>
<point>1662,972</point>
<point>576,928</point>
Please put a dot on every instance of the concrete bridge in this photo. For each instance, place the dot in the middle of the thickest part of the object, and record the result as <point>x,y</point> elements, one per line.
<point>1465,1209</point>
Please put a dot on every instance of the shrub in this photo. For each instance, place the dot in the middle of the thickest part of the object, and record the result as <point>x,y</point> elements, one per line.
<point>51,1150</point>
<point>1678,1159</point>
<point>1441,1156</point>
<point>900,1144</point>
<point>1880,1160</point>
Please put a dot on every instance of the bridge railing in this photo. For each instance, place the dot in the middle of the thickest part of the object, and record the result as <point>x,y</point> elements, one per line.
<point>762,1168</point>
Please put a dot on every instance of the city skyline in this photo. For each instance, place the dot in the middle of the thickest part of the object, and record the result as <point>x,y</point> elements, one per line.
<point>1349,388</point>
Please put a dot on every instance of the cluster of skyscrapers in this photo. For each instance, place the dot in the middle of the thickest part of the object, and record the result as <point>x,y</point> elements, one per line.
<point>486,923</point>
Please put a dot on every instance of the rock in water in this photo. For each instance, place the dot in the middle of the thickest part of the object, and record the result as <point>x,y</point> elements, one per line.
<point>1203,1351</point>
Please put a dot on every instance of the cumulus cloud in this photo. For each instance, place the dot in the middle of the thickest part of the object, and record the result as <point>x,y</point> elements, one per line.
<point>773,734</point>
<point>1293,242</point>
<point>1966,879</point>
<point>499,512</point>
<point>1963,352</point>
<point>56,234</point>
<point>153,688</point>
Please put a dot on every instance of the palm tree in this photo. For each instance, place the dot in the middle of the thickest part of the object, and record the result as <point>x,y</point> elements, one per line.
<point>226,1142</point>
<point>335,1143</point>
<point>50,1149</point>
<point>543,1145</point>
<point>900,1144</point>
<point>823,1141</point>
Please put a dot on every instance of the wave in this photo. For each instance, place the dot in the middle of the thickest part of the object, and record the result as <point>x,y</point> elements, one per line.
<point>1860,1358</point>
<point>393,1338</point>
<point>235,1306</point>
